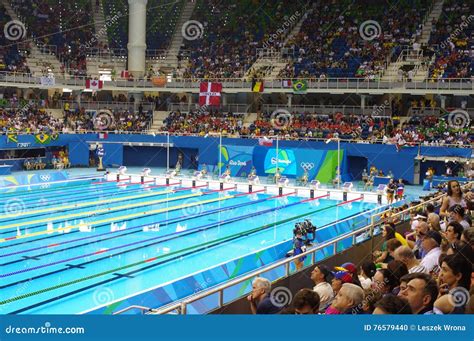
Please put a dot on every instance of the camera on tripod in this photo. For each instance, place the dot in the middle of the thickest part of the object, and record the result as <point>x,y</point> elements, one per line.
<point>307,231</point>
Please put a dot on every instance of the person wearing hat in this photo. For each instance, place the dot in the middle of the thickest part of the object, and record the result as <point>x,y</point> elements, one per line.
<point>340,277</point>
<point>321,276</point>
<point>431,247</point>
<point>352,269</point>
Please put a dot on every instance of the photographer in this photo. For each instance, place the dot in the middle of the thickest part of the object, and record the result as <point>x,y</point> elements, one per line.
<point>299,246</point>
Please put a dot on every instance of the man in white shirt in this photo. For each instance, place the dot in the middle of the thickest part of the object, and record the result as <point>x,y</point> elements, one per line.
<point>321,276</point>
<point>430,244</point>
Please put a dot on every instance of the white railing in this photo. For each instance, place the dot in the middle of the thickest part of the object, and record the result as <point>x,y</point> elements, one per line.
<point>88,105</point>
<point>466,84</point>
<point>375,219</point>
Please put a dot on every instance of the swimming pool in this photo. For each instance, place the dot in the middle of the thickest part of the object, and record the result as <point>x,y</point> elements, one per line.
<point>73,246</point>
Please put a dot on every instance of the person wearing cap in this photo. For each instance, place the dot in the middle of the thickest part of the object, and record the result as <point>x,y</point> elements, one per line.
<point>321,276</point>
<point>456,213</point>
<point>340,277</point>
<point>352,269</point>
<point>348,300</point>
<point>431,246</point>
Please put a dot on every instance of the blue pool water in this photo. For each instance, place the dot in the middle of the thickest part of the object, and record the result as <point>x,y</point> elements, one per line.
<point>59,245</point>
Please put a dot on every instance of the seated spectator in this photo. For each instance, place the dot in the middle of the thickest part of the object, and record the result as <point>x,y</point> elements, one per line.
<point>340,278</point>
<point>348,300</point>
<point>457,214</point>
<point>431,247</point>
<point>407,256</point>
<point>391,304</point>
<point>306,301</point>
<point>453,232</point>
<point>260,302</point>
<point>454,276</point>
<point>421,293</point>
<point>371,296</point>
<point>366,274</point>
<point>321,276</point>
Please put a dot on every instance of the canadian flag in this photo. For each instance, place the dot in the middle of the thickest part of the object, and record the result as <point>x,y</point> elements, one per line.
<point>94,84</point>
<point>210,94</point>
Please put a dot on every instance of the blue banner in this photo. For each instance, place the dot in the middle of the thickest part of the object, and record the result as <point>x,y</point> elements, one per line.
<point>232,327</point>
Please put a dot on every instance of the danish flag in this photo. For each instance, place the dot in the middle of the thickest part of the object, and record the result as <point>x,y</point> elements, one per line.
<point>94,84</point>
<point>210,94</point>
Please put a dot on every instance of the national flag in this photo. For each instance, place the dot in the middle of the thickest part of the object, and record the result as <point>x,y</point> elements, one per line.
<point>43,138</point>
<point>210,94</point>
<point>94,84</point>
<point>300,87</point>
<point>124,74</point>
<point>257,86</point>
<point>265,142</point>
<point>287,83</point>
<point>12,137</point>
<point>103,136</point>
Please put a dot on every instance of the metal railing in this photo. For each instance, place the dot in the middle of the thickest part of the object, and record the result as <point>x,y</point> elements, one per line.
<point>192,85</point>
<point>331,109</point>
<point>186,107</point>
<point>89,105</point>
<point>375,219</point>
<point>181,307</point>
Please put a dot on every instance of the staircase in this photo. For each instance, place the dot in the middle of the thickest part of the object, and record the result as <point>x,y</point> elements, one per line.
<point>427,25</point>
<point>170,61</point>
<point>271,64</point>
<point>158,118</point>
<point>414,57</point>
<point>99,23</point>
<point>42,59</point>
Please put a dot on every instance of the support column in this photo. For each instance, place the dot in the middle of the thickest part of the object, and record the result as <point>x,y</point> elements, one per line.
<point>189,96</point>
<point>137,37</point>
<point>443,101</point>
<point>290,100</point>
<point>362,101</point>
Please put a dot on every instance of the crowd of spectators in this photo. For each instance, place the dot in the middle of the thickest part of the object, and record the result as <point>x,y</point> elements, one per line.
<point>12,55</point>
<point>453,38</point>
<point>107,120</point>
<point>331,42</point>
<point>428,130</point>
<point>426,270</point>
<point>29,119</point>
<point>227,47</point>
<point>33,119</point>
<point>68,25</point>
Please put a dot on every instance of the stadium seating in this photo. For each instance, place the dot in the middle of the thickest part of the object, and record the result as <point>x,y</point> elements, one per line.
<point>330,43</point>
<point>10,57</point>
<point>451,39</point>
<point>231,35</point>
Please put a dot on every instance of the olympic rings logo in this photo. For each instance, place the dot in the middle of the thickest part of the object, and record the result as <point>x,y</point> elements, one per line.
<point>307,166</point>
<point>45,178</point>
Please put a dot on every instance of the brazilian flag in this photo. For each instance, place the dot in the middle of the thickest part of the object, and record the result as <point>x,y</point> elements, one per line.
<point>12,137</point>
<point>300,86</point>
<point>43,138</point>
